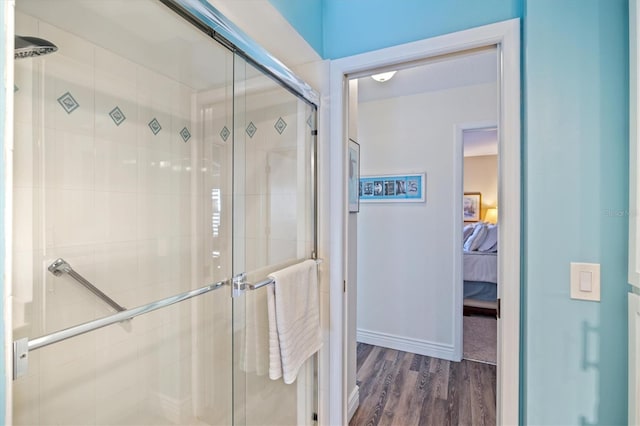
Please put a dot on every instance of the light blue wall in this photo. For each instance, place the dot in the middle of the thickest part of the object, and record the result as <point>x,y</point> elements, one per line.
<point>338,28</point>
<point>306,18</point>
<point>357,26</point>
<point>576,176</point>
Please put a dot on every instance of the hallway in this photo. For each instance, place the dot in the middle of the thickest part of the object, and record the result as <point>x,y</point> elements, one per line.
<point>401,388</point>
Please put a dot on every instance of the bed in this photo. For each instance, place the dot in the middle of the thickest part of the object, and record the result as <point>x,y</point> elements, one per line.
<point>480,275</point>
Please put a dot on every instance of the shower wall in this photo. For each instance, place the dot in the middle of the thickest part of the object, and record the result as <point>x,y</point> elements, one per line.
<point>112,173</point>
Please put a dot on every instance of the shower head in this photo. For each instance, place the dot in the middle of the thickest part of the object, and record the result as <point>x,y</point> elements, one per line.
<point>27,47</point>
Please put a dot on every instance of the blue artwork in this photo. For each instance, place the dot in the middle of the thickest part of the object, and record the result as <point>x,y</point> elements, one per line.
<point>393,188</point>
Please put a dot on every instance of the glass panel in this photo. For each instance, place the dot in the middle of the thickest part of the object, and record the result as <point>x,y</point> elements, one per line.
<point>274,226</point>
<point>122,166</point>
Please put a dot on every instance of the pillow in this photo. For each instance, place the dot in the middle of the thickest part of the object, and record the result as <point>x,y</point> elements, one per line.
<point>466,232</point>
<point>477,237</point>
<point>490,240</point>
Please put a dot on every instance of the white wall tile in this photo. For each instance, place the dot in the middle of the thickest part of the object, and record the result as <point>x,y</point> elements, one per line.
<point>121,408</point>
<point>116,367</point>
<point>25,155</point>
<point>26,401</point>
<point>155,174</point>
<point>116,166</point>
<point>73,161</point>
<point>154,262</point>
<point>116,216</point>
<point>25,212</point>
<point>69,393</point>
<point>71,216</point>
<point>157,215</point>
<point>117,267</point>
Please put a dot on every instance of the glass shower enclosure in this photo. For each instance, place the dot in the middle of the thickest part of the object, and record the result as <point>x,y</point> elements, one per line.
<point>153,162</point>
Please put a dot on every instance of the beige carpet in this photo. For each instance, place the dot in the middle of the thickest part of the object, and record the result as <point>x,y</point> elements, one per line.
<point>480,339</point>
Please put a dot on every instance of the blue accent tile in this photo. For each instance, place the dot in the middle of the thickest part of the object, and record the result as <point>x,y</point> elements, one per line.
<point>155,126</point>
<point>117,116</point>
<point>15,88</point>
<point>280,125</point>
<point>224,133</point>
<point>251,129</point>
<point>68,103</point>
<point>185,134</point>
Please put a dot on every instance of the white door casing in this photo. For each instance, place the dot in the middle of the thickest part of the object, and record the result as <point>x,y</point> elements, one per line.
<point>634,359</point>
<point>505,35</point>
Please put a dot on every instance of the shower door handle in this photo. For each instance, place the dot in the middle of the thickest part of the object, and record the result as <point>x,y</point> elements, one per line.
<point>239,284</point>
<point>61,266</point>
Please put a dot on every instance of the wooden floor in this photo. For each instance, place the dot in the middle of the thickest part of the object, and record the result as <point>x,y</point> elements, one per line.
<point>405,389</point>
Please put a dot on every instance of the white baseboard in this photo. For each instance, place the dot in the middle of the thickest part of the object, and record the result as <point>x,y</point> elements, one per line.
<point>406,344</point>
<point>354,402</point>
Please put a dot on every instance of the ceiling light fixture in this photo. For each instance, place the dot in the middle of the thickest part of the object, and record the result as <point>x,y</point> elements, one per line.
<point>385,76</point>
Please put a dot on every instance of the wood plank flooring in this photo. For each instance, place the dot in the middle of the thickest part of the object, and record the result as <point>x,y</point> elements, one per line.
<point>404,389</point>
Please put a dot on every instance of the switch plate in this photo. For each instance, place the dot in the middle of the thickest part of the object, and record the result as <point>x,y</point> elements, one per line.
<point>585,281</point>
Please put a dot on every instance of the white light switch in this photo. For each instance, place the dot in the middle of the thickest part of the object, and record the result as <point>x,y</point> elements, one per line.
<point>585,281</point>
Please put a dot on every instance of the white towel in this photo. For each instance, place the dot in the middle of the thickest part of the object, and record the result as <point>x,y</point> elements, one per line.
<point>294,319</point>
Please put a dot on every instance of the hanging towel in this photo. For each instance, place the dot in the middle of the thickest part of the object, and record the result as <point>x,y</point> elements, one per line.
<point>294,319</point>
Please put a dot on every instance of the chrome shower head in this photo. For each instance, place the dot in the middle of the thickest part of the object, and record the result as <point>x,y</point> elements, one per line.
<point>27,47</point>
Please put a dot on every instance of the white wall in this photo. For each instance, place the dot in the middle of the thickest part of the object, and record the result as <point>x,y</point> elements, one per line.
<point>481,175</point>
<point>405,262</point>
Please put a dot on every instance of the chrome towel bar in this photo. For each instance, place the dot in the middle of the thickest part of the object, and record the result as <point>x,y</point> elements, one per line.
<point>240,284</point>
<point>22,346</point>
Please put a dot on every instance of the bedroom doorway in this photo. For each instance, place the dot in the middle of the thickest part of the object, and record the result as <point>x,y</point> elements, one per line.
<point>504,37</point>
<point>480,243</point>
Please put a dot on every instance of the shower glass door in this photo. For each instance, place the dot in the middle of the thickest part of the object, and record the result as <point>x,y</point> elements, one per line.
<point>123,168</point>
<point>149,161</point>
<point>274,226</point>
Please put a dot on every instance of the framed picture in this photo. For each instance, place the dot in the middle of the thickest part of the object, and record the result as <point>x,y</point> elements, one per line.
<point>354,176</point>
<point>471,202</point>
<point>408,188</point>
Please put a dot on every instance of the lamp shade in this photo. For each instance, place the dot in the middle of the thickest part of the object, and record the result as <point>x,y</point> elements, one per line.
<point>491,215</point>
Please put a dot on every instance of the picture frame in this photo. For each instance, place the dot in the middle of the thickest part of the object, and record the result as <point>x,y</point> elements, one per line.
<point>354,176</point>
<point>404,188</point>
<point>471,205</point>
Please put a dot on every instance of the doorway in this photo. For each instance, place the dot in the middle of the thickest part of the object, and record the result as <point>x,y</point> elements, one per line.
<point>405,126</point>
<point>480,243</point>
<point>505,36</point>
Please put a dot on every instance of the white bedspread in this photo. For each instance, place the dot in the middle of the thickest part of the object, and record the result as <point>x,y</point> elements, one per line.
<point>479,266</point>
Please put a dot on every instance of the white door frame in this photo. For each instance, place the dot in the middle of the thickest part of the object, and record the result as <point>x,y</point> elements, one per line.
<point>506,35</point>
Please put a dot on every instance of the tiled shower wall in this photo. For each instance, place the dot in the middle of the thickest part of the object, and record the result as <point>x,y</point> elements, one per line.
<point>111,174</point>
